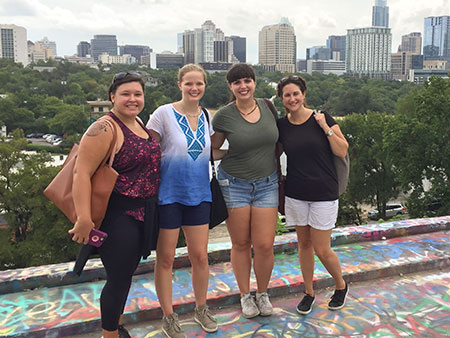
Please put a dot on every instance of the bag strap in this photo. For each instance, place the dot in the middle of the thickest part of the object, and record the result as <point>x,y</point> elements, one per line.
<point>211,160</point>
<point>272,108</point>
<point>112,147</point>
<point>277,146</point>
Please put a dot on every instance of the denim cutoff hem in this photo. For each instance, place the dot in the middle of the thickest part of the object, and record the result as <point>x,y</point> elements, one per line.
<point>238,193</point>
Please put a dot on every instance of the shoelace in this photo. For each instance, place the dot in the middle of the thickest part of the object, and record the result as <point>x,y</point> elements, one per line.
<point>205,312</point>
<point>173,322</point>
<point>264,299</point>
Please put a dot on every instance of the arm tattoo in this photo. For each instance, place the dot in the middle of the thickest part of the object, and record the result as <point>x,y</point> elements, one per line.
<point>96,128</point>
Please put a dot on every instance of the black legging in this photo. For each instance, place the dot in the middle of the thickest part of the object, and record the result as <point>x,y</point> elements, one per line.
<point>120,255</point>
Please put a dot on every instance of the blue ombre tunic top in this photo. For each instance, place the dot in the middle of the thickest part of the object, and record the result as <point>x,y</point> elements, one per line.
<point>185,157</point>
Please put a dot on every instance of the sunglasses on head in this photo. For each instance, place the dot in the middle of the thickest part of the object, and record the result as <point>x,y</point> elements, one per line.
<point>290,77</point>
<point>122,75</point>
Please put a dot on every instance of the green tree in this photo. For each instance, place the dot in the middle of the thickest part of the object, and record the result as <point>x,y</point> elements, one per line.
<point>37,231</point>
<point>373,178</point>
<point>419,146</point>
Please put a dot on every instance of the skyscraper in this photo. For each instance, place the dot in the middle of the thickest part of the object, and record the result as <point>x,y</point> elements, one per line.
<point>368,51</point>
<point>278,47</point>
<point>336,43</point>
<point>436,38</point>
<point>411,43</point>
<point>83,48</point>
<point>48,44</point>
<point>13,43</point>
<point>103,44</point>
<point>380,14</point>
<point>239,48</point>
<point>207,44</point>
<point>136,51</point>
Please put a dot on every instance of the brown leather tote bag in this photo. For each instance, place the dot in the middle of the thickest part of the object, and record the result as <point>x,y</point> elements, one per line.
<point>59,191</point>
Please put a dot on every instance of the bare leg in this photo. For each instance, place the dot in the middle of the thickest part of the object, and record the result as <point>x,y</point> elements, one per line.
<point>197,244</point>
<point>238,224</point>
<point>165,253</point>
<point>321,240</point>
<point>263,225</point>
<point>306,257</point>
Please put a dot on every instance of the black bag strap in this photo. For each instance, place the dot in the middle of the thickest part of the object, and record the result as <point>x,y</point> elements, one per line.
<point>211,160</point>
<point>277,146</point>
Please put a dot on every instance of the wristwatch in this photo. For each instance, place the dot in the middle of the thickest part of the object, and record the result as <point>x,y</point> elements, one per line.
<point>330,132</point>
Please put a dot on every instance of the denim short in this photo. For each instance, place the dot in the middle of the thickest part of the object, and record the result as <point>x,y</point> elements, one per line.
<point>238,193</point>
<point>173,216</point>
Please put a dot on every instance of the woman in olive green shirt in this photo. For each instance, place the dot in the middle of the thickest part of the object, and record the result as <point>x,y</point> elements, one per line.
<point>249,182</point>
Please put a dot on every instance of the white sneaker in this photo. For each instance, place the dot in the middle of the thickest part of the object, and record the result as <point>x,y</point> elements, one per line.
<point>249,308</point>
<point>263,303</point>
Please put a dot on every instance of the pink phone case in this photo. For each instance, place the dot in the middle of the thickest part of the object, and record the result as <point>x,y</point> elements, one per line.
<point>96,237</point>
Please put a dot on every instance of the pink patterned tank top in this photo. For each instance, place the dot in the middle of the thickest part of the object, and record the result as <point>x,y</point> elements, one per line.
<point>138,164</point>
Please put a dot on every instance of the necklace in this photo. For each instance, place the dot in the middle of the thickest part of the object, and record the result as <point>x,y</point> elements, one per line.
<point>191,114</point>
<point>251,111</point>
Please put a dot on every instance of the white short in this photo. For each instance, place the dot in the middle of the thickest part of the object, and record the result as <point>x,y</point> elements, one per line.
<point>320,215</point>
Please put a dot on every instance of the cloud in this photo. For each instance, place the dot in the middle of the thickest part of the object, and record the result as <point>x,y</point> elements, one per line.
<point>16,8</point>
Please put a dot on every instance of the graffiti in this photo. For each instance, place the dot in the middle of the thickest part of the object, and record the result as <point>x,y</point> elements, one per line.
<point>50,308</point>
<point>78,304</point>
<point>415,306</point>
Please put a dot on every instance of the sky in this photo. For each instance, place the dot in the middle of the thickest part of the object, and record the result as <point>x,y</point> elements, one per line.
<point>155,23</point>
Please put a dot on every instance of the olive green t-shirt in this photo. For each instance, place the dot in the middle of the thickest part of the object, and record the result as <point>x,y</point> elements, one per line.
<point>251,146</point>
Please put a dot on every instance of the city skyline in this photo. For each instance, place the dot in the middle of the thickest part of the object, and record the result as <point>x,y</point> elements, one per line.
<point>156,23</point>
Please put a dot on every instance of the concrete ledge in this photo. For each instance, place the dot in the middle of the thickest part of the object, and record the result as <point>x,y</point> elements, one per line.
<point>54,275</point>
<point>74,309</point>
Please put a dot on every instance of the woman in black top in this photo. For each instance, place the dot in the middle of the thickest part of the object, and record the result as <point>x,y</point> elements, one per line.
<point>310,140</point>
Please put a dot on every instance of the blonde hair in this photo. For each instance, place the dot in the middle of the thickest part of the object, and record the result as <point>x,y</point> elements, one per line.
<point>190,67</point>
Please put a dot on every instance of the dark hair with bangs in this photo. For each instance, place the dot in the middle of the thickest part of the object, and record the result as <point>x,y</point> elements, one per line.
<point>239,71</point>
<point>125,77</point>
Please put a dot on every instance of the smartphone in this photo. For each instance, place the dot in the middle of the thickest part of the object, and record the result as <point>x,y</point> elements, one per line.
<point>96,237</point>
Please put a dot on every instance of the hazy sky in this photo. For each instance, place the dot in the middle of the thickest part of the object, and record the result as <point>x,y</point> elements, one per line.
<point>156,22</point>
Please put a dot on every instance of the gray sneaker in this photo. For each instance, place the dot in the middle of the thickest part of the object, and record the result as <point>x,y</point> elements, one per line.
<point>263,303</point>
<point>249,308</point>
<point>171,327</point>
<point>205,318</point>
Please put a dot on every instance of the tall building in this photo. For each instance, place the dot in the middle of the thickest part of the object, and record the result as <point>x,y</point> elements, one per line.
<point>411,43</point>
<point>207,45</point>
<point>239,48</point>
<point>37,52</point>
<point>13,43</point>
<point>83,49</point>
<point>336,43</point>
<point>103,44</point>
<point>318,53</point>
<point>135,50</point>
<point>380,14</point>
<point>368,51</point>
<point>221,51</point>
<point>45,42</point>
<point>436,38</point>
<point>278,47</point>
<point>403,62</point>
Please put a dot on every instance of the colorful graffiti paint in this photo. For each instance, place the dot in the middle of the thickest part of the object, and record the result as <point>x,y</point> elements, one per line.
<point>77,305</point>
<point>414,306</point>
<point>60,274</point>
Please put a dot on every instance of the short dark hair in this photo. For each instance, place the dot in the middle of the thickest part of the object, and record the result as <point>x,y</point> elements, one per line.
<point>240,71</point>
<point>295,79</point>
<point>125,77</point>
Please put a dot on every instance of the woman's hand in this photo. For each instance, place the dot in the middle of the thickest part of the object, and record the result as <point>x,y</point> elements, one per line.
<point>321,121</point>
<point>81,230</point>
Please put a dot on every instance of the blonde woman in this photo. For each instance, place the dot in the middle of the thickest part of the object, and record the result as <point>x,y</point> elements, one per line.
<point>184,196</point>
